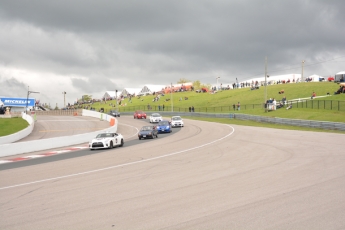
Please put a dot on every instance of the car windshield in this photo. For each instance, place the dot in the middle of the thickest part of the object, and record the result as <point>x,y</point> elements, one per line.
<point>113,111</point>
<point>176,118</point>
<point>140,112</point>
<point>163,123</point>
<point>156,115</point>
<point>104,135</point>
<point>146,128</point>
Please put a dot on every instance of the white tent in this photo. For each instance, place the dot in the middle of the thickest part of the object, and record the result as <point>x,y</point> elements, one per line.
<point>339,77</point>
<point>315,77</point>
<point>150,89</point>
<point>110,95</point>
<point>130,91</point>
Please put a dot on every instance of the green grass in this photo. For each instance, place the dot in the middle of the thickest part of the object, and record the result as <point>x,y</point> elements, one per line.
<point>223,100</point>
<point>244,96</point>
<point>12,125</point>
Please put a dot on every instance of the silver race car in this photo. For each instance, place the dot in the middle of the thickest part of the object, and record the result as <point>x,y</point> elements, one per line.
<point>106,140</point>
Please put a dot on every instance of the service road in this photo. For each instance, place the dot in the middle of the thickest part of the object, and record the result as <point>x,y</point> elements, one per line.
<point>206,176</point>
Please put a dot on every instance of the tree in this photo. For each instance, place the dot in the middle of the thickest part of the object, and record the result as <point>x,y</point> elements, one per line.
<point>86,98</point>
<point>197,85</point>
<point>183,80</point>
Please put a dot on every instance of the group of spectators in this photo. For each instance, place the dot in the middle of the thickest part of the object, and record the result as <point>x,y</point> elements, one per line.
<point>236,107</point>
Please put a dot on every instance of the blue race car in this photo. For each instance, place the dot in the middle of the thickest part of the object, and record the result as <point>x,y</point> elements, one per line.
<point>164,127</point>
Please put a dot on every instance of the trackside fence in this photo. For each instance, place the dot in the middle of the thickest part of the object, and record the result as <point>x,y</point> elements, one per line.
<point>283,121</point>
<point>309,104</point>
<point>321,104</point>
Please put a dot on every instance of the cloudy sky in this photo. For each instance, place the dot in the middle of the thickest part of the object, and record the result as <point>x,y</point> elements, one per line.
<point>89,47</point>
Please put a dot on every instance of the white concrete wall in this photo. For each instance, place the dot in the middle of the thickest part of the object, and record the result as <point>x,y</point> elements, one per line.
<point>21,134</point>
<point>57,142</point>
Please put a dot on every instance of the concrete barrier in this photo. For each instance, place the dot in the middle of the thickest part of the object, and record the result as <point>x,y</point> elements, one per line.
<point>21,134</point>
<point>56,142</point>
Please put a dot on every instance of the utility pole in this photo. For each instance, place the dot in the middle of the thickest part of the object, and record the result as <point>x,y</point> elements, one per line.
<point>217,82</point>
<point>171,98</point>
<point>116,99</point>
<point>302,71</point>
<point>266,84</point>
<point>64,99</point>
<point>27,99</point>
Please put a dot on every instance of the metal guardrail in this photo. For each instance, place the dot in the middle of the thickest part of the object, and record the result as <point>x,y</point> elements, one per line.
<point>283,121</point>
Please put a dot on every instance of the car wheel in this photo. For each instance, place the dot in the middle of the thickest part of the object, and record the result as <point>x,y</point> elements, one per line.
<point>122,143</point>
<point>139,138</point>
<point>111,145</point>
<point>157,135</point>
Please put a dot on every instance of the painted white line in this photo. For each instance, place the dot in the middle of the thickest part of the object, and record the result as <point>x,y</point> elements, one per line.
<point>34,156</point>
<point>4,162</point>
<point>60,151</point>
<point>79,147</point>
<point>122,165</point>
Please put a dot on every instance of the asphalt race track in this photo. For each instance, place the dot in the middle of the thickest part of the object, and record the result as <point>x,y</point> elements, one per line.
<point>203,176</point>
<point>57,126</point>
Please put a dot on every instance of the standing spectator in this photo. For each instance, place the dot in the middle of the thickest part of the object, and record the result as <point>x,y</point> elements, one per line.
<point>238,106</point>
<point>234,106</point>
<point>163,107</point>
<point>192,108</point>
<point>274,104</point>
<point>159,107</point>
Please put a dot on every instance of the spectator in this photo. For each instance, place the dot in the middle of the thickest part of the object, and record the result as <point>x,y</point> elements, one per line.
<point>274,104</point>
<point>238,106</point>
<point>234,106</point>
<point>284,100</point>
<point>313,95</point>
<point>192,108</point>
<point>163,107</point>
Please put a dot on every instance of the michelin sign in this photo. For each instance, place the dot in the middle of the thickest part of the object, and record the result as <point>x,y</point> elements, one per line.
<point>17,102</point>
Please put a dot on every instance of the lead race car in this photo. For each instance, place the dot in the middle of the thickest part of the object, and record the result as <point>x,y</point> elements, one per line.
<point>106,140</point>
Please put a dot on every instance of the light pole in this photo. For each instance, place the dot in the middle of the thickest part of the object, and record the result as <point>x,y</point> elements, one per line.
<point>266,84</point>
<point>64,99</point>
<point>27,99</point>
<point>171,98</point>
<point>217,82</point>
<point>302,71</point>
<point>116,100</point>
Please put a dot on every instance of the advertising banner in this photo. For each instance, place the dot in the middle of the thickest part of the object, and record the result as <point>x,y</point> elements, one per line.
<point>17,102</point>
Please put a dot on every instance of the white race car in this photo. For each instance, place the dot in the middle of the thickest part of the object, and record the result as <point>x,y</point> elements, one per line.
<point>176,121</point>
<point>155,118</point>
<point>106,140</point>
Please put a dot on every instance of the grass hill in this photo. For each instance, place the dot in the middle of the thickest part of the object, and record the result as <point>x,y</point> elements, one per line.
<point>251,101</point>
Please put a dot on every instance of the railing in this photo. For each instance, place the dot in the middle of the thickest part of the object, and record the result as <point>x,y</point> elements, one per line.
<point>321,104</point>
<point>67,112</point>
<point>310,104</point>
